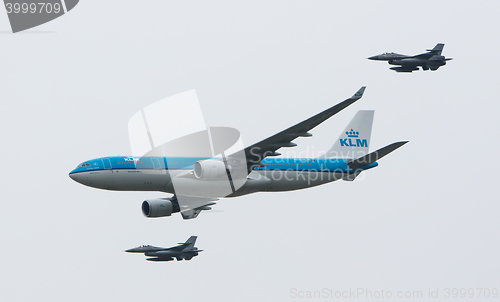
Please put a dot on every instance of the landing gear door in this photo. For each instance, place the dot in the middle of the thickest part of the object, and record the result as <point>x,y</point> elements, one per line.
<point>107,163</point>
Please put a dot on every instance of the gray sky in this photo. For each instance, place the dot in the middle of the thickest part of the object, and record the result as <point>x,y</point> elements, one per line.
<point>427,217</point>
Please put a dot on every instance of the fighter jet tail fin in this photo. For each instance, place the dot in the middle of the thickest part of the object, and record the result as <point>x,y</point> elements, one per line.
<point>354,141</point>
<point>191,241</point>
<point>437,49</point>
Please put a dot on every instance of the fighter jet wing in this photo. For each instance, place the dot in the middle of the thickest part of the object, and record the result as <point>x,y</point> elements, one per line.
<point>426,55</point>
<point>257,152</point>
<point>177,248</point>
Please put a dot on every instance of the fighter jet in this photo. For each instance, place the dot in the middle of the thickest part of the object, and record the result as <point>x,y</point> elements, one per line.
<point>432,60</point>
<point>185,251</point>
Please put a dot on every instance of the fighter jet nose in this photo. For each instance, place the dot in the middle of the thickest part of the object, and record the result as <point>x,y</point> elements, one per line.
<point>140,249</point>
<point>373,58</point>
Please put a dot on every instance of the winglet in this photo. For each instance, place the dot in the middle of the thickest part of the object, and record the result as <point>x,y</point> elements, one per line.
<point>359,93</point>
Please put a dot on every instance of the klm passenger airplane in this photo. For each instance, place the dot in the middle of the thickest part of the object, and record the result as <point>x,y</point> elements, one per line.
<point>197,182</point>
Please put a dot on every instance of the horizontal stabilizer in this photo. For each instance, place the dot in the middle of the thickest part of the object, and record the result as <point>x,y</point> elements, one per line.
<point>374,156</point>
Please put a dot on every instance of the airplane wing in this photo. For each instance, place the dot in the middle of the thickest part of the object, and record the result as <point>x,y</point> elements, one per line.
<point>426,55</point>
<point>257,152</point>
<point>191,206</point>
<point>177,248</point>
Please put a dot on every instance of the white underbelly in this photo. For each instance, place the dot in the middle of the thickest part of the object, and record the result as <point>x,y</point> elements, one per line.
<point>296,180</point>
<point>131,180</point>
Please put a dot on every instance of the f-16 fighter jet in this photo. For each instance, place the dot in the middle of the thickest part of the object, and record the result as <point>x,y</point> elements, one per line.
<point>432,60</point>
<point>185,251</point>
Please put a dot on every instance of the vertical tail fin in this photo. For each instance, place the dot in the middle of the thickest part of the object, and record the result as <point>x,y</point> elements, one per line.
<point>354,141</point>
<point>437,49</point>
<point>191,241</point>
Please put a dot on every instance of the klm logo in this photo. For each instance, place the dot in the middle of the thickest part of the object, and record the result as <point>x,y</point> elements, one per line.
<point>352,133</point>
<point>131,159</point>
<point>352,140</point>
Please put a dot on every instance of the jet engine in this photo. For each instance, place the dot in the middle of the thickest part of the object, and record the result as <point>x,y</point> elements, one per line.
<point>158,208</point>
<point>210,169</point>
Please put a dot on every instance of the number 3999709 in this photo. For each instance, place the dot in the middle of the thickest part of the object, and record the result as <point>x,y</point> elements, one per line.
<point>33,8</point>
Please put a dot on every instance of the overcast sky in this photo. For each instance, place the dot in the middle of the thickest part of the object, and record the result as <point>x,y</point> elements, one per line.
<point>426,217</point>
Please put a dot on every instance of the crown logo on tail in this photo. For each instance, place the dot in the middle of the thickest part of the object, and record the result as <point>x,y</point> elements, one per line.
<point>352,133</point>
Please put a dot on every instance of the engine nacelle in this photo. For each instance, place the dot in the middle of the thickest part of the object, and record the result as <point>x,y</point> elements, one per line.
<point>209,169</point>
<point>157,208</point>
<point>437,58</point>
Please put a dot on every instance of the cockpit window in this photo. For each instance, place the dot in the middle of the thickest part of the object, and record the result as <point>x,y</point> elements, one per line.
<point>83,165</point>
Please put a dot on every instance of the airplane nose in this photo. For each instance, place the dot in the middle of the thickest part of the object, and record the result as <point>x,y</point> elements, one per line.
<point>76,177</point>
<point>373,58</point>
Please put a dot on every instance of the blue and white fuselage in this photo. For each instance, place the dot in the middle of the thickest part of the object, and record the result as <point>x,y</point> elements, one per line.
<point>197,182</point>
<point>156,173</point>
